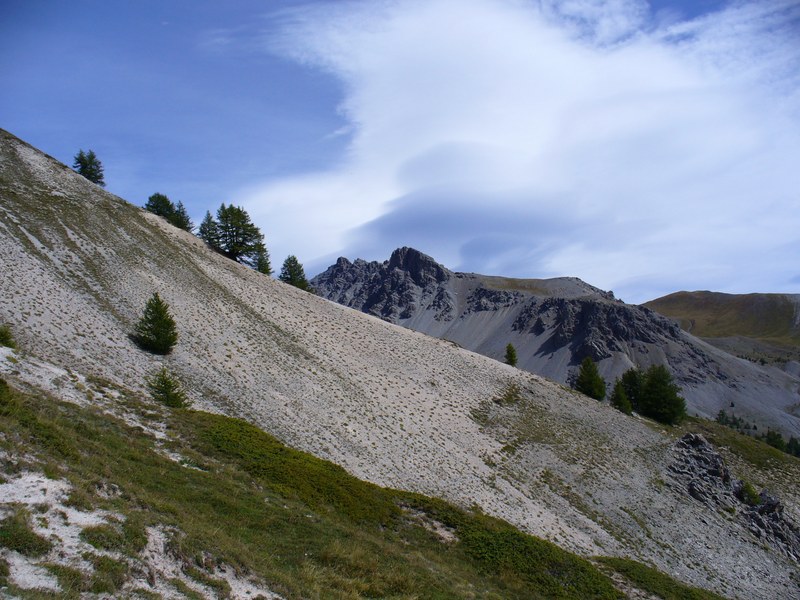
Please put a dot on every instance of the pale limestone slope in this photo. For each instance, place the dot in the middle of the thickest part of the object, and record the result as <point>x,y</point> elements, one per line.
<point>392,406</point>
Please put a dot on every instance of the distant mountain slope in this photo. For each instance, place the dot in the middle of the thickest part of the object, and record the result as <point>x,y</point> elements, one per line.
<point>756,325</point>
<point>392,406</point>
<point>554,324</point>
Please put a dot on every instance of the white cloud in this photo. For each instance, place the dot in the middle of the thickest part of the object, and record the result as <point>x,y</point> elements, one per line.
<point>554,138</point>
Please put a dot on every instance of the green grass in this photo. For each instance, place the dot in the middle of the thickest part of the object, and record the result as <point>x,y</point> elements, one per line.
<point>764,317</point>
<point>655,582</point>
<point>757,453</point>
<point>17,534</point>
<point>303,525</point>
<point>128,537</point>
<point>511,394</point>
<point>109,574</point>
<point>71,581</point>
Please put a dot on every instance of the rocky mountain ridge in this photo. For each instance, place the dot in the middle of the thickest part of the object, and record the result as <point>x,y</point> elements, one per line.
<point>392,406</point>
<point>554,324</point>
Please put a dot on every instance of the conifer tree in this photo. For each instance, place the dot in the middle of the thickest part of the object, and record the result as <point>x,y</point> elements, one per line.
<point>209,231</point>
<point>262,262</point>
<point>233,234</point>
<point>659,398</point>
<point>589,381</point>
<point>160,205</point>
<point>292,273</point>
<point>181,218</point>
<point>156,330</point>
<point>511,355</point>
<point>88,165</point>
<point>166,389</point>
<point>632,382</point>
<point>619,399</point>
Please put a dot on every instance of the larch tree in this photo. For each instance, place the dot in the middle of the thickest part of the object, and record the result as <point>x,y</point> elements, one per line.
<point>660,398</point>
<point>209,231</point>
<point>589,381</point>
<point>292,273</point>
<point>181,218</point>
<point>165,388</point>
<point>88,165</point>
<point>160,205</point>
<point>511,355</point>
<point>156,330</point>
<point>619,398</point>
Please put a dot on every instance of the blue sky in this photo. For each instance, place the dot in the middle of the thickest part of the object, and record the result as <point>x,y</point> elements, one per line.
<point>644,147</point>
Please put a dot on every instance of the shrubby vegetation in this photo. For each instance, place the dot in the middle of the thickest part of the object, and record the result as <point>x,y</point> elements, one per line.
<point>160,205</point>
<point>655,582</point>
<point>6,337</point>
<point>234,235</point>
<point>589,381</point>
<point>156,330</point>
<point>748,494</point>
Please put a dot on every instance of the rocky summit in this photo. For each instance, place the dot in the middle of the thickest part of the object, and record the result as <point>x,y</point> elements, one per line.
<point>554,324</point>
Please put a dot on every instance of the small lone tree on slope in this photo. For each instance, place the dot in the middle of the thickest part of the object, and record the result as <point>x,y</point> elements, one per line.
<point>292,273</point>
<point>166,389</point>
<point>589,381</point>
<point>156,331</point>
<point>88,165</point>
<point>511,355</point>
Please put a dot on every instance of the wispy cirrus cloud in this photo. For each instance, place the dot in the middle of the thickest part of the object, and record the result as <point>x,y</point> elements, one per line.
<point>641,153</point>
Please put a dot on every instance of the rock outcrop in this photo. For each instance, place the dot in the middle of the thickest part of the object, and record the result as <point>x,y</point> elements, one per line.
<point>702,472</point>
<point>554,324</point>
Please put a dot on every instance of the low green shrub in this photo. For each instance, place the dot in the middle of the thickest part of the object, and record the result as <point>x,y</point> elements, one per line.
<point>6,338</point>
<point>748,494</point>
<point>17,534</point>
<point>128,537</point>
<point>109,574</point>
<point>510,394</point>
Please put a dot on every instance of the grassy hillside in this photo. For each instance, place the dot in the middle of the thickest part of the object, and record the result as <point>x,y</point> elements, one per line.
<point>768,320</point>
<point>230,494</point>
<point>768,317</point>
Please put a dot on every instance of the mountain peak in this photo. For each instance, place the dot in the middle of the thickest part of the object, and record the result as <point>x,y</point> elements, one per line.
<point>421,267</point>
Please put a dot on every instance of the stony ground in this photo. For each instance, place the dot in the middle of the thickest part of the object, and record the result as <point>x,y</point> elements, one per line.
<point>390,405</point>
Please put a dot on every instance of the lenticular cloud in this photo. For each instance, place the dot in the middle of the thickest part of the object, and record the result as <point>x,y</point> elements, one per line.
<point>544,139</point>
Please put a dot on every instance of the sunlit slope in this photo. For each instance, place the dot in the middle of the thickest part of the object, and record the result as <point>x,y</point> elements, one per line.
<point>770,317</point>
<point>751,324</point>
